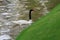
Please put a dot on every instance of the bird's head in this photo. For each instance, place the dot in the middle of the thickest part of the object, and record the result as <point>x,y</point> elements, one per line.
<point>31,10</point>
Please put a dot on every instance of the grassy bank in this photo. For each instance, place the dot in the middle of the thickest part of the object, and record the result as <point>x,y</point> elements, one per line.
<point>46,28</point>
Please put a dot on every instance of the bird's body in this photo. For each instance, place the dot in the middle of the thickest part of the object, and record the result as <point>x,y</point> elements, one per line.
<point>21,22</point>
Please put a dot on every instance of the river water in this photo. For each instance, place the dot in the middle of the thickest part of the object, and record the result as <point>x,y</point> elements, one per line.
<point>13,10</point>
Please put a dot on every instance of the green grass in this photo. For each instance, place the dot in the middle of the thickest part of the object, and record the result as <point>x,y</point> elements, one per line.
<point>46,28</point>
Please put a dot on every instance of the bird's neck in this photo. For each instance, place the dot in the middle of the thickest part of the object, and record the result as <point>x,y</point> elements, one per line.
<point>29,15</point>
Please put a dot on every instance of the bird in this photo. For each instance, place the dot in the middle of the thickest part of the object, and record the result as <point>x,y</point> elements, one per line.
<point>22,22</point>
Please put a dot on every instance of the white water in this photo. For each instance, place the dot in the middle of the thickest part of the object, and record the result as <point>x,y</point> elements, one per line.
<point>7,14</point>
<point>5,37</point>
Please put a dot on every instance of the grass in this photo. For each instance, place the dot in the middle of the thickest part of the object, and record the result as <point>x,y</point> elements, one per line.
<point>46,28</point>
